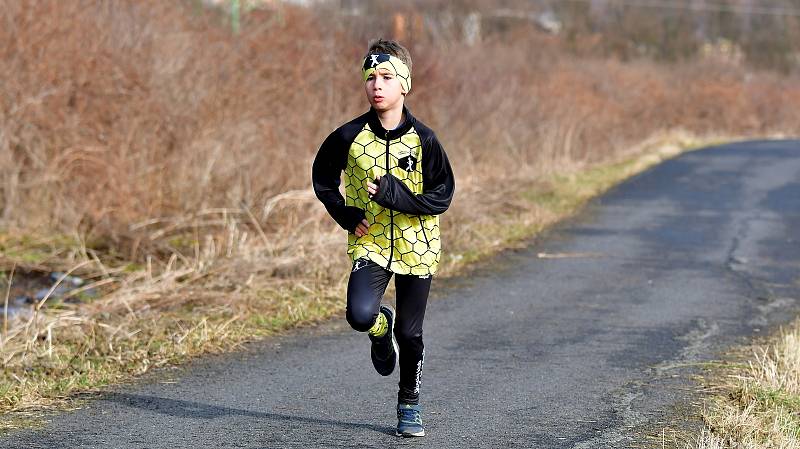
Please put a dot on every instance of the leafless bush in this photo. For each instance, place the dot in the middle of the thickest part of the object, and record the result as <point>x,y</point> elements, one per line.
<point>118,114</point>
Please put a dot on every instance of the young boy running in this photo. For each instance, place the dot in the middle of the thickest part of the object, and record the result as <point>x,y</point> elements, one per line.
<point>397,182</point>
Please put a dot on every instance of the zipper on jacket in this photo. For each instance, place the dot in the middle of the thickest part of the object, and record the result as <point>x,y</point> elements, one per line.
<point>427,242</point>
<point>391,212</point>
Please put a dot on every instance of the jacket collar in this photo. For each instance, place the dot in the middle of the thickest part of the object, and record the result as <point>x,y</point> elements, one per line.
<point>377,128</point>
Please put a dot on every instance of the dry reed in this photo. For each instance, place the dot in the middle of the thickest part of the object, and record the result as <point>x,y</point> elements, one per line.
<point>758,400</point>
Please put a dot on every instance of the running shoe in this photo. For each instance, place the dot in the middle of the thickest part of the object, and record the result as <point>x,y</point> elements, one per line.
<point>384,349</point>
<point>409,421</point>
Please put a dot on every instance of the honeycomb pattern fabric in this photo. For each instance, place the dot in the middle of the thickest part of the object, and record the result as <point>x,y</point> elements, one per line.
<point>404,234</point>
<point>416,237</point>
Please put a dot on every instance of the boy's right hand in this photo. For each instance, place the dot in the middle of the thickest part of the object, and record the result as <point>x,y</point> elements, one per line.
<point>362,228</point>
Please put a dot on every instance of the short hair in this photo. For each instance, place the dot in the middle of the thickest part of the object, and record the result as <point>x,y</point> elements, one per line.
<point>390,47</point>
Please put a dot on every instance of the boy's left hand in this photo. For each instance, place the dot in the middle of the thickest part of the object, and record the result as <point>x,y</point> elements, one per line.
<point>373,188</point>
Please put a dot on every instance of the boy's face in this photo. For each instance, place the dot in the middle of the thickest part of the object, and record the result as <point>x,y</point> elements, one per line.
<point>384,91</point>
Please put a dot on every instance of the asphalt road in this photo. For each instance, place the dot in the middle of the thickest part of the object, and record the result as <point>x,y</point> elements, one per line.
<point>581,340</point>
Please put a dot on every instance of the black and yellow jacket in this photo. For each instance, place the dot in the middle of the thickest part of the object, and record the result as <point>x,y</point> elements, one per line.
<point>404,232</point>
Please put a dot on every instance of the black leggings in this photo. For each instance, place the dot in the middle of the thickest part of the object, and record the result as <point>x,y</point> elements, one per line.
<point>365,289</point>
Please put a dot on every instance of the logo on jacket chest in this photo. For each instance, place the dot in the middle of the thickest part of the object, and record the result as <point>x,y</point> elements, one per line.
<point>406,161</point>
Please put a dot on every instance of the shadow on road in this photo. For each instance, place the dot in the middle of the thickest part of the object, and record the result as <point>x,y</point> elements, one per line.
<point>198,410</point>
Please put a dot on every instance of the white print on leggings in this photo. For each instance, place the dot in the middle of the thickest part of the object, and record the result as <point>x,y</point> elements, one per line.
<point>360,263</point>
<point>419,373</point>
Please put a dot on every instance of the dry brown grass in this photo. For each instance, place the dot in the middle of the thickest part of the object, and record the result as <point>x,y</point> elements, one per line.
<point>758,400</point>
<point>169,161</point>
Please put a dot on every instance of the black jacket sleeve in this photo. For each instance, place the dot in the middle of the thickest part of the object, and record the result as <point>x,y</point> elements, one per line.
<point>438,185</point>
<point>326,175</point>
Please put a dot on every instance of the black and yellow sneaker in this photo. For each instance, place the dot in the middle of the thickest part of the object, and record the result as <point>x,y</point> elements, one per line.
<point>384,346</point>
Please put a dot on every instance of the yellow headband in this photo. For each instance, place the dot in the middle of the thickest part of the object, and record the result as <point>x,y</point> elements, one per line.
<point>391,63</point>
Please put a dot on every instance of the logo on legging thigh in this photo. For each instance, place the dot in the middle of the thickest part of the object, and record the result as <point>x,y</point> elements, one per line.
<point>418,376</point>
<point>359,264</point>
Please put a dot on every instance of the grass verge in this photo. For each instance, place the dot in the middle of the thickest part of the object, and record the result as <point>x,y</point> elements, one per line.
<point>57,352</point>
<point>755,401</point>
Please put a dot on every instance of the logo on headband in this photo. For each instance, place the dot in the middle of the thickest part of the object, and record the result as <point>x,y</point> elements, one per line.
<point>374,60</point>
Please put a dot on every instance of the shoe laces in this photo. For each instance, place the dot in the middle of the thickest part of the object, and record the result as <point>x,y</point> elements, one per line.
<point>409,415</point>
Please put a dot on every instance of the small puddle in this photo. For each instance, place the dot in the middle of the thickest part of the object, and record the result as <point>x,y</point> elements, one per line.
<point>31,287</point>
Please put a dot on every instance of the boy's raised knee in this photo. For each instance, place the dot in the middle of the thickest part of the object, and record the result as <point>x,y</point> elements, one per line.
<point>361,318</point>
